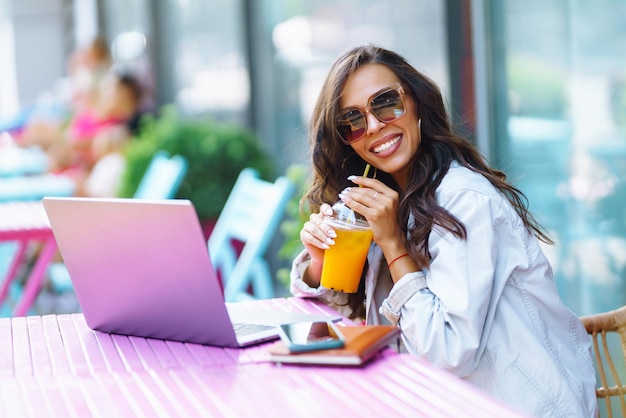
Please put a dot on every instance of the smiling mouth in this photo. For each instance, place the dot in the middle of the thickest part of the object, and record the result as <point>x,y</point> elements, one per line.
<point>386,145</point>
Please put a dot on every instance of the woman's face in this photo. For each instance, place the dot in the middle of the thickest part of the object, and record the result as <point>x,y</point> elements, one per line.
<point>387,146</point>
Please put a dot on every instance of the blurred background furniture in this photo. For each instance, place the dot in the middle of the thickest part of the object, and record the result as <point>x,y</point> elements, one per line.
<point>34,188</point>
<point>24,176</point>
<point>18,161</point>
<point>162,177</point>
<point>25,223</point>
<point>601,327</point>
<point>251,216</point>
<point>160,181</point>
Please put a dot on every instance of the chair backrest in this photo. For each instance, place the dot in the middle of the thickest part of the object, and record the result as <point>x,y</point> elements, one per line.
<point>599,326</point>
<point>251,215</point>
<point>162,177</point>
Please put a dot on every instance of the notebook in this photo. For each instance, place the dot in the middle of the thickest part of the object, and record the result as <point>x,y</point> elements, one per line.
<point>362,343</point>
<point>142,267</point>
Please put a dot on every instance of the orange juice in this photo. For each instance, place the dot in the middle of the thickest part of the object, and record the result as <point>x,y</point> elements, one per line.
<point>344,261</point>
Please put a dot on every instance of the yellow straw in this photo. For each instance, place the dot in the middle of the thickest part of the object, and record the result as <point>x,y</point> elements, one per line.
<point>367,170</point>
<point>351,218</point>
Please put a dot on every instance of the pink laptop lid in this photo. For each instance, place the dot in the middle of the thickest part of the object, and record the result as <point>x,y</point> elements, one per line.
<point>141,267</point>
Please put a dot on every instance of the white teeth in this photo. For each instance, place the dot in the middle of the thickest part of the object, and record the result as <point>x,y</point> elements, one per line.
<point>387,145</point>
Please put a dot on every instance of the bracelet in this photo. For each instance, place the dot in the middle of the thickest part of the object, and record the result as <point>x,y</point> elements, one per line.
<point>397,258</point>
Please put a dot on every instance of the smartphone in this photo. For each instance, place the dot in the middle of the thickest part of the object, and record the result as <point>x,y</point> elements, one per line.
<point>311,335</point>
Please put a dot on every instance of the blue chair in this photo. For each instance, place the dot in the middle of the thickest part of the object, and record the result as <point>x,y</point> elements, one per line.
<point>251,215</point>
<point>162,177</point>
<point>160,181</point>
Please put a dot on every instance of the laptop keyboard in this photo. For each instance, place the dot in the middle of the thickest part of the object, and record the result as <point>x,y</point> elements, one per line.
<point>243,328</point>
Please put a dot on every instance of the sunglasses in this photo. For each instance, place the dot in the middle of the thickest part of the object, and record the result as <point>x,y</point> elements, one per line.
<point>386,105</point>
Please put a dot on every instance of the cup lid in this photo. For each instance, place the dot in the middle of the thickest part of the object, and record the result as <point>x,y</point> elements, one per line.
<point>344,214</point>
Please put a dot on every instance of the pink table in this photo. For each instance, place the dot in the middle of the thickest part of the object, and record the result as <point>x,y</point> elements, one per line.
<point>54,365</point>
<point>26,223</point>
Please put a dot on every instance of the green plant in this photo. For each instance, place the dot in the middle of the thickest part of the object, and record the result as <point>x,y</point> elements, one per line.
<point>295,217</point>
<point>216,152</point>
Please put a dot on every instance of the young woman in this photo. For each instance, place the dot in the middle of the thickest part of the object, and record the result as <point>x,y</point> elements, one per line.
<point>455,260</point>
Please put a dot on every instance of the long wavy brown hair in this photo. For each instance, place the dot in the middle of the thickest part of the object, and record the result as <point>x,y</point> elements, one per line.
<point>333,161</point>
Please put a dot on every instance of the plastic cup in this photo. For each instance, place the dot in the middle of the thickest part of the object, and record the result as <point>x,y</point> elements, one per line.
<point>344,261</point>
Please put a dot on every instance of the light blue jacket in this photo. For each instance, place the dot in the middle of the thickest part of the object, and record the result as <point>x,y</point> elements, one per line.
<point>487,309</point>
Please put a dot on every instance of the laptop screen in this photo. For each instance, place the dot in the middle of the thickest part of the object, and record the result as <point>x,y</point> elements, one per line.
<point>141,267</point>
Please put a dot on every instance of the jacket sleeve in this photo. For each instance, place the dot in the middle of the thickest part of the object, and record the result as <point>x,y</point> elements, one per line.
<point>297,286</point>
<point>444,317</point>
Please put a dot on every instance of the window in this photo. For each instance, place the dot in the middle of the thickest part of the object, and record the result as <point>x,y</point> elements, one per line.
<point>564,143</point>
<point>298,41</point>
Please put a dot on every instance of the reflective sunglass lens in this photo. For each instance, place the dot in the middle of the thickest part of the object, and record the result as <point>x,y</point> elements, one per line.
<point>350,134</point>
<point>386,107</point>
<point>352,125</point>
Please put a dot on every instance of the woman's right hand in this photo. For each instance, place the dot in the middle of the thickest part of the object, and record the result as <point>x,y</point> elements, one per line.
<point>317,236</point>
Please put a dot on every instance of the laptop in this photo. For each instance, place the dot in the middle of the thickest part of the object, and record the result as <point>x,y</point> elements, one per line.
<point>142,267</point>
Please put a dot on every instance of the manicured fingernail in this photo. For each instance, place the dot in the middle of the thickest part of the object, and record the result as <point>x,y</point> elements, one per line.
<point>342,196</point>
<point>351,177</point>
<point>325,246</point>
<point>330,241</point>
<point>331,233</point>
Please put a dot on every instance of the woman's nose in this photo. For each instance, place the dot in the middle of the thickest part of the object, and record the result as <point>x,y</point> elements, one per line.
<point>373,123</point>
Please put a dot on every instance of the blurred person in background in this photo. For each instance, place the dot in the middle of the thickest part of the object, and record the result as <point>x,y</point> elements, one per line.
<point>104,177</point>
<point>100,129</point>
<point>114,109</point>
<point>87,67</point>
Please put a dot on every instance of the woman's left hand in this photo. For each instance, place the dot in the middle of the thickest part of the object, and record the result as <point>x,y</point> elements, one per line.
<point>379,204</point>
